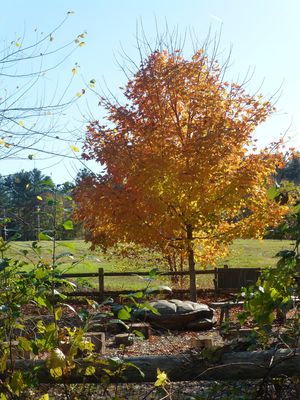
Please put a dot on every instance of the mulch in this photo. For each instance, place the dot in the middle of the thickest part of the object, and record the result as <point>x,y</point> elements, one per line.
<point>159,343</point>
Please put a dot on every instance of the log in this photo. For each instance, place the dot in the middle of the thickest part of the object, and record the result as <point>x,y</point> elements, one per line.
<point>181,367</point>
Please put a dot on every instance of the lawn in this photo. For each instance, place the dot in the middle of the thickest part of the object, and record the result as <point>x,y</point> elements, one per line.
<point>243,253</point>
<point>254,253</point>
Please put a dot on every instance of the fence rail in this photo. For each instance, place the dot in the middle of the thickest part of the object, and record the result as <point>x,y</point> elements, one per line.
<point>225,279</point>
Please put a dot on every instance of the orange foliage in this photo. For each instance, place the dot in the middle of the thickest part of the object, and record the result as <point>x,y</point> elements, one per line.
<point>178,154</point>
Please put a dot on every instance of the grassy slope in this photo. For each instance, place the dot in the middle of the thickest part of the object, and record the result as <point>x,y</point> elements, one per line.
<point>243,253</point>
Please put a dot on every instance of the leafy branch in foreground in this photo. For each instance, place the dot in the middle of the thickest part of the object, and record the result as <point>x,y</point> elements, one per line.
<point>30,111</point>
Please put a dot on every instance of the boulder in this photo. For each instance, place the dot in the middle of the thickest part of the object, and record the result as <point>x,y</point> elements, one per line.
<point>179,315</point>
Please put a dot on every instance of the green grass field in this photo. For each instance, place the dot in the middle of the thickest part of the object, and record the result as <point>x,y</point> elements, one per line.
<point>243,253</point>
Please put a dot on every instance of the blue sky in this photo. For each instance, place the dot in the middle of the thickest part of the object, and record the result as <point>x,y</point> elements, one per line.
<point>263,35</point>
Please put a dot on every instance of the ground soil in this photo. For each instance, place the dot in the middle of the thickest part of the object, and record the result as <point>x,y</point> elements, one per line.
<point>159,342</point>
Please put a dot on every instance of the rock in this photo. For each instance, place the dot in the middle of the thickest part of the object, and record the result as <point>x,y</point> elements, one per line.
<point>179,315</point>
<point>201,325</point>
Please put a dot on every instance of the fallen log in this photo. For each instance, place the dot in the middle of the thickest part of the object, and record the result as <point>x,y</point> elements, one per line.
<point>181,367</point>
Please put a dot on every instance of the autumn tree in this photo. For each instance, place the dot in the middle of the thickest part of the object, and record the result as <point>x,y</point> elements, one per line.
<point>182,173</point>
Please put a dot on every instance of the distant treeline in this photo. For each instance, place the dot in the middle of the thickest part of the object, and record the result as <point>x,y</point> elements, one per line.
<point>31,204</point>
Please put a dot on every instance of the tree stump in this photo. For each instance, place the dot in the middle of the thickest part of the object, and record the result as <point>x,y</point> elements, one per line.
<point>125,339</point>
<point>201,342</point>
<point>142,327</point>
<point>98,340</point>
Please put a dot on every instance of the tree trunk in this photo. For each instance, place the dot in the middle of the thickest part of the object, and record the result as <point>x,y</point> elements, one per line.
<point>181,367</point>
<point>191,261</point>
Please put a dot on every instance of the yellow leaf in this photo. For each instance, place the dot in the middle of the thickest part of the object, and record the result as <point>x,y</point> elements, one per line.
<point>39,198</point>
<point>44,397</point>
<point>56,360</point>
<point>21,123</point>
<point>81,44</point>
<point>74,71</point>
<point>92,83</point>
<point>75,149</point>
<point>18,44</point>
<point>56,372</point>
<point>162,378</point>
<point>90,370</point>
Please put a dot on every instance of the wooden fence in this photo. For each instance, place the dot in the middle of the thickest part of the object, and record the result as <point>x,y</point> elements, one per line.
<point>225,280</point>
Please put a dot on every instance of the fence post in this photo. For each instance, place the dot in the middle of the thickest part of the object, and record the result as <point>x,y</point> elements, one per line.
<point>101,283</point>
<point>215,280</point>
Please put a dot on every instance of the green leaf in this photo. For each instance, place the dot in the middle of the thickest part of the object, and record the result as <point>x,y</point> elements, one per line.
<point>4,262</point>
<point>40,273</point>
<point>60,295</point>
<point>138,333</point>
<point>3,361</point>
<point>58,313</point>
<point>297,208</point>
<point>43,236</point>
<point>68,225</point>
<point>147,306</point>
<point>119,321</point>
<point>17,382</point>
<point>47,182</point>
<point>41,301</point>
<point>130,364</point>
<point>83,315</point>
<point>153,273</point>
<point>285,254</point>
<point>124,314</point>
<point>272,193</point>
<point>69,245</point>
<point>133,295</point>
<point>24,343</point>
